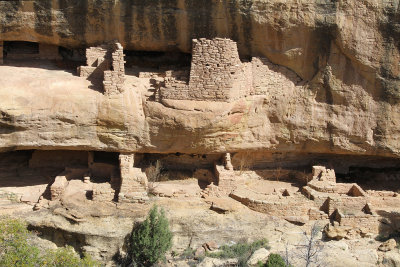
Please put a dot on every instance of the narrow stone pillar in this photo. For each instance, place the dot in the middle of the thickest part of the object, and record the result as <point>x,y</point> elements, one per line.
<point>227,161</point>
<point>133,180</point>
<point>1,52</point>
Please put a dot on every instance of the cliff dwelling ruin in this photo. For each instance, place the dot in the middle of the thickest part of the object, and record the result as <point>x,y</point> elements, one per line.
<point>296,190</point>
<point>127,128</point>
<point>293,191</point>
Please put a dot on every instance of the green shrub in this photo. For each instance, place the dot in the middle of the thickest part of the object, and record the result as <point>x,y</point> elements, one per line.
<point>275,260</point>
<point>15,250</point>
<point>63,257</point>
<point>188,253</point>
<point>242,251</point>
<point>152,239</point>
<point>14,247</point>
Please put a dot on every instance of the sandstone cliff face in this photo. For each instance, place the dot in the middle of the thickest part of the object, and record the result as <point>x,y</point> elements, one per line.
<point>345,53</point>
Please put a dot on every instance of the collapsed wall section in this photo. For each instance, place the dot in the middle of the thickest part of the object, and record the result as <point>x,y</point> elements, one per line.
<point>268,76</point>
<point>114,79</point>
<point>105,67</point>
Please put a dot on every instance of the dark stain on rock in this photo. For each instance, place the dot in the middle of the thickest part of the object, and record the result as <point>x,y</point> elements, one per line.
<point>389,27</point>
<point>390,86</point>
<point>168,21</point>
<point>327,87</point>
<point>43,17</point>
<point>75,13</point>
<point>153,11</point>
<point>10,10</point>
<point>127,10</point>
<point>324,34</point>
<point>99,17</point>
<point>245,13</point>
<point>232,13</point>
<point>139,20</point>
<point>200,18</point>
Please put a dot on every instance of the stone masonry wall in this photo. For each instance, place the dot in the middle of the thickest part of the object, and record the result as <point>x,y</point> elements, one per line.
<point>105,65</point>
<point>114,79</point>
<point>97,61</point>
<point>175,85</point>
<point>133,181</point>
<point>215,70</point>
<point>267,75</point>
<point>216,74</point>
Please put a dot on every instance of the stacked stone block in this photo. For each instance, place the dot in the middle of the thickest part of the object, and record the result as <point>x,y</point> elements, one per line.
<point>175,85</point>
<point>268,76</point>
<point>103,192</point>
<point>321,173</point>
<point>97,61</point>
<point>133,181</point>
<point>215,70</point>
<point>114,79</point>
<point>58,187</point>
<point>216,74</point>
<point>105,65</point>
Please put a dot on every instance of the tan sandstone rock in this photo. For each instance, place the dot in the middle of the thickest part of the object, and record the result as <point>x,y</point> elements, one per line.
<point>260,255</point>
<point>388,245</point>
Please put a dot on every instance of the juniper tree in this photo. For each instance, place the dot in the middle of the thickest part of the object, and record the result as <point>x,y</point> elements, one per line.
<point>152,239</point>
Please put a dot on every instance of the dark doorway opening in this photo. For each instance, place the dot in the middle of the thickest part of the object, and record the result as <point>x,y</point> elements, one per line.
<point>20,49</point>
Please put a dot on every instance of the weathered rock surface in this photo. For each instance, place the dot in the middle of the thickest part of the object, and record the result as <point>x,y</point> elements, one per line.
<point>391,259</point>
<point>345,53</point>
<point>212,262</point>
<point>388,245</point>
<point>260,255</point>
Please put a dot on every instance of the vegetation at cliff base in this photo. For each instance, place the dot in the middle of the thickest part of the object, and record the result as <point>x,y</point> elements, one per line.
<point>242,251</point>
<point>152,239</point>
<point>275,260</point>
<point>15,250</point>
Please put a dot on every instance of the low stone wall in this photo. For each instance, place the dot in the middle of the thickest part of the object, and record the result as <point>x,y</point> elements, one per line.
<point>276,205</point>
<point>105,66</point>
<point>365,222</point>
<point>103,192</point>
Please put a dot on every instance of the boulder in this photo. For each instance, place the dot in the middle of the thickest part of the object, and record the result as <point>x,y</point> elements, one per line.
<point>337,232</point>
<point>200,252</point>
<point>260,255</point>
<point>223,205</point>
<point>366,255</point>
<point>388,245</point>
<point>297,220</point>
<point>210,246</point>
<point>391,259</point>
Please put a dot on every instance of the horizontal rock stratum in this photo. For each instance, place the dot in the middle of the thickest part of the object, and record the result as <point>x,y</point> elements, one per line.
<point>345,99</point>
